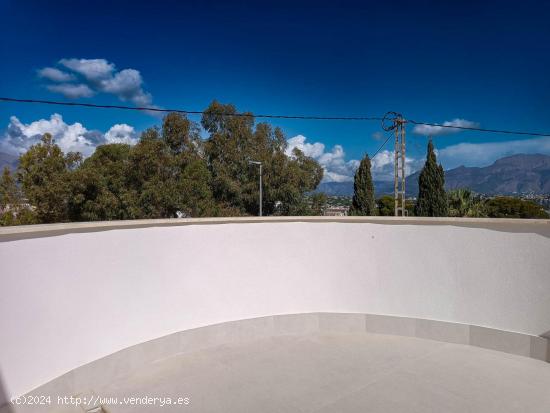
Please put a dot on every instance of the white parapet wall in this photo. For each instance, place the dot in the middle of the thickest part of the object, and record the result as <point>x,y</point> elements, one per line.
<point>74,293</point>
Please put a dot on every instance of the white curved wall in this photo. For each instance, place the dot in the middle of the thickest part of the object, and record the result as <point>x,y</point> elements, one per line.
<point>73,298</point>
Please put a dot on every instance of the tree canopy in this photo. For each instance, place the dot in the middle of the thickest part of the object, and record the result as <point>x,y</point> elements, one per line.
<point>45,175</point>
<point>508,207</point>
<point>172,171</point>
<point>233,142</point>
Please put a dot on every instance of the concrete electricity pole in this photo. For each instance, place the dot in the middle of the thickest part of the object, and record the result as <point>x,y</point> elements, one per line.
<point>399,179</point>
<point>398,126</point>
<point>260,164</point>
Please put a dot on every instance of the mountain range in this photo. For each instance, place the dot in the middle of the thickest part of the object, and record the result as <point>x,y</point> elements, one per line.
<point>506,176</point>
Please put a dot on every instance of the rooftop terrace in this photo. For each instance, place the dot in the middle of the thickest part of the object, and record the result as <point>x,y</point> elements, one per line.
<point>292,314</point>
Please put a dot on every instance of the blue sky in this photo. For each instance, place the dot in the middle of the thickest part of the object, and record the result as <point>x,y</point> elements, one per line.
<point>487,63</point>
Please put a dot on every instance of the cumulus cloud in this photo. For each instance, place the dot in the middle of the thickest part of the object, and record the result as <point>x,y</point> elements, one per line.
<point>438,130</point>
<point>71,91</point>
<point>92,69</point>
<point>314,150</point>
<point>335,166</point>
<point>55,75</point>
<point>338,169</point>
<point>121,133</point>
<point>127,85</point>
<point>19,137</point>
<point>96,76</point>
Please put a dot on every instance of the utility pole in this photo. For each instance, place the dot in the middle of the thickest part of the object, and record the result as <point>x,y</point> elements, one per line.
<point>260,164</point>
<point>396,170</point>
<point>403,165</point>
<point>397,125</point>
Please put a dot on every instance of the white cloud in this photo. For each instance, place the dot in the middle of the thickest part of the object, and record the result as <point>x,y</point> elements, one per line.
<point>91,69</point>
<point>309,149</point>
<point>336,168</point>
<point>121,133</point>
<point>19,136</point>
<point>97,76</point>
<point>127,85</point>
<point>55,75</point>
<point>437,130</point>
<point>72,91</point>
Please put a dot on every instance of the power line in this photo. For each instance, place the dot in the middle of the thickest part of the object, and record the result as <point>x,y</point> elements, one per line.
<point>188,112</point>
<point>479,129</point>
<point>381,146</point>
<point>302,117</point>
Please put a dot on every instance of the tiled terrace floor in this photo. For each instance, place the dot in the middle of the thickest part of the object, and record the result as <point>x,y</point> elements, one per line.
<point>342,373</point>
<point>338,373</point>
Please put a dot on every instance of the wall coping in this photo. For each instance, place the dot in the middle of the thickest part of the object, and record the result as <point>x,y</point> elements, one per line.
<point>540,226</point>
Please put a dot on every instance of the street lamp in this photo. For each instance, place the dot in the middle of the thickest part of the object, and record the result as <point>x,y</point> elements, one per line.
<point>259,163</point>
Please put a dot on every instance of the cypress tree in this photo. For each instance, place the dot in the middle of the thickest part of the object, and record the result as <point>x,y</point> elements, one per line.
<point>363,190</point>
<point>432,198</point>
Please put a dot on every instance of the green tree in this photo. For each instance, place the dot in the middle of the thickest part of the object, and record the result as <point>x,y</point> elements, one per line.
<point>153,176</point>
<point>463,203</point>
<point>168,175</point>
<point>236,140</point>
<point>509,207</point>
<point>172,171</point>
<point>45,173</point>
<point>363,190</point>
<point>180,134</point>
<point>194,186</point>
<point>99,189</point>
<point>432,198</point>
<point>229,149</point>
<point>385,205</point>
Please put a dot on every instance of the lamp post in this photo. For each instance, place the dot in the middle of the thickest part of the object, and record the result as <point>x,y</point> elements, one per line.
<point>260,164</point>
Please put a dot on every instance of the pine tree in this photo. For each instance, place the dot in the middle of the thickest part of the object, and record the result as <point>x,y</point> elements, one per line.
<point>432,198</point>
<point>363,190</point>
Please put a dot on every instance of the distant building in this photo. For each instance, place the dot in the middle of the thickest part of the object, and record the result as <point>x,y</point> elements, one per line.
<point>336,211</point>
<point>16,208</point>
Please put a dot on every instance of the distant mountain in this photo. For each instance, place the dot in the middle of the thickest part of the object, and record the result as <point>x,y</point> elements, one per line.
<point>510,175</point>
<point>336,188</point>
<point>346,188</point>
<point>8,160</point>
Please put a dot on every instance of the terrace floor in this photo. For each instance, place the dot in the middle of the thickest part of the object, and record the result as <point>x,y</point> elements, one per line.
<point>340,373</point>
